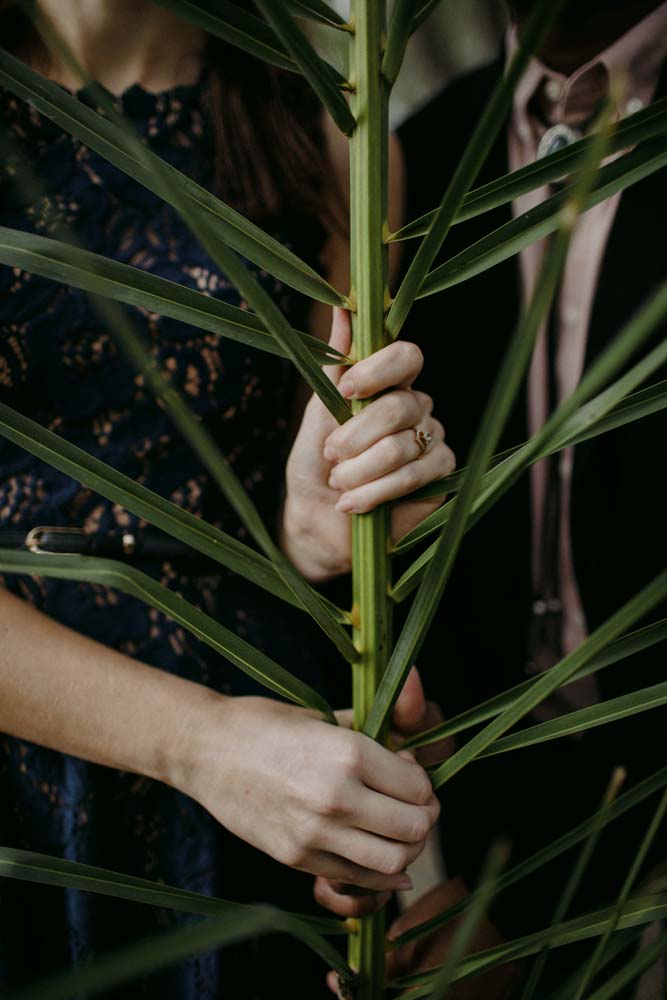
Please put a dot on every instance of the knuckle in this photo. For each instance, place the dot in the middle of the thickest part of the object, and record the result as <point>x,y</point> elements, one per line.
<point>421,828</point>
<point>294,854</point>
<point>395,861</point>
<point>393,450</point>
<point>424,792</point>
<point>351,754</point>
<point>411,477</point>
<point>395,404</point>
<point>411,354</point>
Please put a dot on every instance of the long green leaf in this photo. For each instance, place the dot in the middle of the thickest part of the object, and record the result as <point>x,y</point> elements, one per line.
<point>425,11</point>
<point>584,719</point>
<point>129,580</point>
<point>574,878</point>
<point>624,618</point>
<point>488,127</point>
<point>75,266</point>
<point>152,954</point>
<point>314,68</point>
<point>206,448</point>
<point>235,26</point>
<point>127,493</point>
<point>474,915</point>
<point>564,421</point>
<point>44,869</point>
<point>644,959</point>
<point>639,793</point>
<point>621,941</point>
<point>113,144</point>
<point>627,887</point>
<point>400,27</point>
<point>496,412</point>
<point>639,911</point>
<point>640,404</point>
<point>513,237</point>
<point>318,10</point>
<point>196,434</point>
<point>628,645</point>
<point>645,124</point>
<point>200,224</point>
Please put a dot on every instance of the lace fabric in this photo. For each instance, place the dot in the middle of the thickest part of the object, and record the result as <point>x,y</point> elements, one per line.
<point>60,366</point>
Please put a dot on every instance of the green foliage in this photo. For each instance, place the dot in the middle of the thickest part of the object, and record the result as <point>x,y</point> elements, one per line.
<point>607,397</point>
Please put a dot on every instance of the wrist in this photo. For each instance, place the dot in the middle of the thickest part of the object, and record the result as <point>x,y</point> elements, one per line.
<point>185,748</point>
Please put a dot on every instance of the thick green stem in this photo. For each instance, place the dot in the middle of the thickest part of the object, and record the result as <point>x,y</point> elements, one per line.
<point>372,609</point>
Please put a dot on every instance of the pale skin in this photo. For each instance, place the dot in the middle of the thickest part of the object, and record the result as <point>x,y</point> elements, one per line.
<point>351,811</point>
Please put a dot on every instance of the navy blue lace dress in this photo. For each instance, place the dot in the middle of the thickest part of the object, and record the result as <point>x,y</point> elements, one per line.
<point>61,367</point>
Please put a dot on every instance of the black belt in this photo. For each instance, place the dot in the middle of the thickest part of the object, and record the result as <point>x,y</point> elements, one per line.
<point>129,546</point>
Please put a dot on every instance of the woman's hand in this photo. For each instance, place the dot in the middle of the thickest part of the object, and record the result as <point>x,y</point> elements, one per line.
<point>335,471</point>
<point>314,796</point>
<point>430,951</point>
<point>412,714</point>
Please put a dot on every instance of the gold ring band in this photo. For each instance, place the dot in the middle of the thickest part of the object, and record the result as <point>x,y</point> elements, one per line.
<point>423,439</point>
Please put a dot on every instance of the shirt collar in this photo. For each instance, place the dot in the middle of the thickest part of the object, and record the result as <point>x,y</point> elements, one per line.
<point>635,60</point>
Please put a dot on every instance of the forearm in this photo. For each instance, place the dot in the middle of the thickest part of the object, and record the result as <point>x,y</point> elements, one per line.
<point>71,694</point>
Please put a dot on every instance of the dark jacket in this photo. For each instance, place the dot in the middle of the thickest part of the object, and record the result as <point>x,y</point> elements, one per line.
<point>477,646</point>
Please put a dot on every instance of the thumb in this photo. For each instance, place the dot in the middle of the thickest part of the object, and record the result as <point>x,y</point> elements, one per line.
<point>341,340</point>
<point>410,709</point>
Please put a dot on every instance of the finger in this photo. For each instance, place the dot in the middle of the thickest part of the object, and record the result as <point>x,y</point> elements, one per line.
<point>340,869</point>
<point>345,717</point>
<point>334,984</point>
<point>398,364</point>
<point>391,413</point>
<point>343,904</point>
<point>393,776</point>
<point>389,453</point>
<point>369,851</point>
<point>396,820</point>
<point>340,339</point>
<point>410,708</point>
<point>439,461</point>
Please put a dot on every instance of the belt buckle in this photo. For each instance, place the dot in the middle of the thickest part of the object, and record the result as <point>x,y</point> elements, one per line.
<point>34,538</point>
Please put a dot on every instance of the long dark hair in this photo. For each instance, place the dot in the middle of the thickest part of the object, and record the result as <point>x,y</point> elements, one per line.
<point>270,159</point>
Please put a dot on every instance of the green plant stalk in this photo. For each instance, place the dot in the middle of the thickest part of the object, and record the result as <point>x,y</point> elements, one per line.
<point>368,228</point>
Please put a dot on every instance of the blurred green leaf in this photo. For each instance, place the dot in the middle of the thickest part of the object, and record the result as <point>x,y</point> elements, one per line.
<point>538,222</point>
<point>628,645</point>
<point>114,144</point>
<point>486,130</point>
<point>29,866</point>
<point>583,719</point>
<point>318,72</point>
<point>496,412</point>
<point>640,910</point>
<point>80,268</point>
<point>645,124</point>
<point>129,580</point>
<point>628,800</point>
<point>163,514</point>
<point>643,603</point>
<point>636,865</point>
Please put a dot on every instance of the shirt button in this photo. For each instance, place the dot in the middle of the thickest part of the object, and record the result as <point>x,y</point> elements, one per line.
<point>634,105</point>
<point>553,89</point>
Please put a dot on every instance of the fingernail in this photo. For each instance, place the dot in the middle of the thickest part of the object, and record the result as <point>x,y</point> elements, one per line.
<point>405,882</point>
<point>346,387</point>
<point>345,505</point>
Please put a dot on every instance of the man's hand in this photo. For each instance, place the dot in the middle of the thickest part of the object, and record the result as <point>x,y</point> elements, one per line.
<point>431,951</point>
